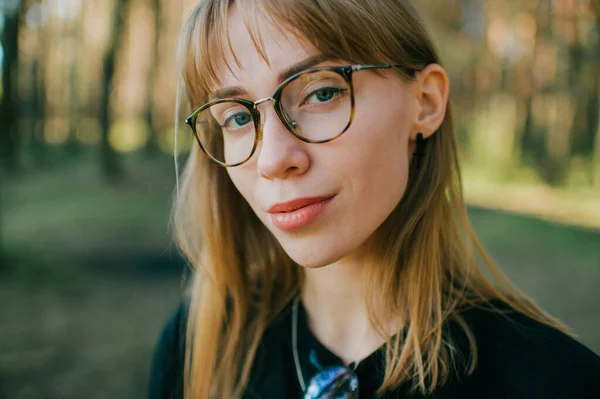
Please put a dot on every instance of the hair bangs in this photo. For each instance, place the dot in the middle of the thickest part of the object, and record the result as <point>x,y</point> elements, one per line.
<point>206,45</point>
<point>342,30</point>
<point>350,30</point>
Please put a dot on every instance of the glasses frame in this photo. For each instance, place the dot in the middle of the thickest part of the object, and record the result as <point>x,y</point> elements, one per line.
<point>344,71</point>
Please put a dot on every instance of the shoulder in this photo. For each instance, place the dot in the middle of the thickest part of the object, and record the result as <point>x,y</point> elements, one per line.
<point>530,359</point>
<point>166,370</point>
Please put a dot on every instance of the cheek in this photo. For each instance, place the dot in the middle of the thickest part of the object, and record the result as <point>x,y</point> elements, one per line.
<point>242,179</point>
<point>383,123</point>
<point>382,181</point>
<point>379,154</point>
<point>376,166</point>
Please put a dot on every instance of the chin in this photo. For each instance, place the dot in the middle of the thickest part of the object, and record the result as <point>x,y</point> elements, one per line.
<point>313,253</point>
<point>313,262</point>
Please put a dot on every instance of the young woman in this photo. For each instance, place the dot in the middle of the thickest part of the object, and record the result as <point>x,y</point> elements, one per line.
<point>323,214</point>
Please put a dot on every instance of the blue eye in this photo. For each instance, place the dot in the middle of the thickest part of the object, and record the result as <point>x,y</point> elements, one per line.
<point>323,95</point>
<point>237,121</point>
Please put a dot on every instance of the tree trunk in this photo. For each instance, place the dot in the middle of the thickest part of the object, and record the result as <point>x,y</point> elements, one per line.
<point>38,145</point>
<point>9,110</point>
<point>533,136</point>
<point>74,32</point>
<point>151,144</point>
<point>3,261</point>
<point>596,155</point>
<point>111,165</point>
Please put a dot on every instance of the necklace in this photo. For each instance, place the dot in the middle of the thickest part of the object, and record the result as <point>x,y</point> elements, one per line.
<point>295,345</point>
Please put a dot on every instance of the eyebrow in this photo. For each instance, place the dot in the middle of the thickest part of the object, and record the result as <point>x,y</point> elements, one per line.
<point>236,91</point>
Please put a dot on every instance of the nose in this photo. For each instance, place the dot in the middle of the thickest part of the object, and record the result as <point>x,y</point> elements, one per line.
<point>280,155</point>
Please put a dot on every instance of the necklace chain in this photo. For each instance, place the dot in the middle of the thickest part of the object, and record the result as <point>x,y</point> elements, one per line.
<point>295,345</point>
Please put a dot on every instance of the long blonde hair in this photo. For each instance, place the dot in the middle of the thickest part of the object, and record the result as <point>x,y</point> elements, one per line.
<point>423,265</point>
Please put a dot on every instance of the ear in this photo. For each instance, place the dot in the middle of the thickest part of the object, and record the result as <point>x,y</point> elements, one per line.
<point>431,88</point>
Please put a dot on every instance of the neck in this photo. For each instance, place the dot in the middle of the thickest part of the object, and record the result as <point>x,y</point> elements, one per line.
<point>334,299</point>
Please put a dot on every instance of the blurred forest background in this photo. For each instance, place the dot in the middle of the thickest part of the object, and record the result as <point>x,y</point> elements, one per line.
<point>88,274</point>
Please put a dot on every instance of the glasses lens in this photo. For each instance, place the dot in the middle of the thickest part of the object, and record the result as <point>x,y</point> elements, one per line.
<point>227,132</point>
<point>317,105</point>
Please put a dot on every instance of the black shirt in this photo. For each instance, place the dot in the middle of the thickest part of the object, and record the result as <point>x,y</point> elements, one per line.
<point>517,358</point>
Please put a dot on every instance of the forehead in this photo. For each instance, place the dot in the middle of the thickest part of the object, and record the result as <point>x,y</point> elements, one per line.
<point>256,48</point>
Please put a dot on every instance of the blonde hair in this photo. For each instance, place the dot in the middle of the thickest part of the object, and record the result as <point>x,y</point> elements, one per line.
<point>423,256</point>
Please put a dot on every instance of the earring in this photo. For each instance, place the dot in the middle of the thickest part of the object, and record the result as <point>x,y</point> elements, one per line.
<point>419,153</point>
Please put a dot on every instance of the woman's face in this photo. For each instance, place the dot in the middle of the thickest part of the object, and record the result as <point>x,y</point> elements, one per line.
<point>361,176</point>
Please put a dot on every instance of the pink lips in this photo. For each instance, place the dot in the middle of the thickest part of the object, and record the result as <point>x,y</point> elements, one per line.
<point>299,212</point>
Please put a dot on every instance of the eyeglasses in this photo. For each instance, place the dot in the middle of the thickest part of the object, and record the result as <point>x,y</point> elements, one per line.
<point>336,382</point>
<point>316,106</point>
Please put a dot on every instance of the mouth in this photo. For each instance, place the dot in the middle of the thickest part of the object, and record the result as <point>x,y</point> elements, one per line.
<point>299,212</point>
<point>296,204</point>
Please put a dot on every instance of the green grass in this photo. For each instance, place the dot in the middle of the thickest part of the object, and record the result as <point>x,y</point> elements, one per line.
<point>550,246</point>
<point>80,313</point>
<point>70,212</point>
